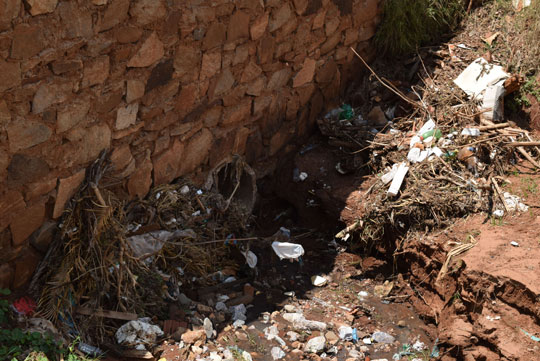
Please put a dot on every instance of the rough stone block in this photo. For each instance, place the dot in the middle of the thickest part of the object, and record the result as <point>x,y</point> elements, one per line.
<point>238,113</point>
<point>26,222</point>
<point>147,11</point>
<point>10,75</point>
<point>306,74</point>
<point>126,116</point>
<point>27,41</point>
<point>251,71</point>
<point>25,267</point>
<point>215,36</point>
<point>38,7</point>
<point>238,26</point>
<point>150,52</point>
<point>279,79</point>
<point>141,180</point>
<point>66,189</point>
<point>26,169</point>
<point>187,61</point>
<point>116,13</point>
<point>24,134</point>
<point>196,151</point>
<point>167,165</point>
<point>256,87</point>
<point>34,190</point>
<point>135,90</point>
<point>9,10</point>
<point>11,203</point>
<point>258,27</point>
<point>77,20</point>
<point>211,64</point>
<point>6,276</point>
<point>280,17</point>
<point>128,34</point>
<point>49,94</point>
<point>96,71</point>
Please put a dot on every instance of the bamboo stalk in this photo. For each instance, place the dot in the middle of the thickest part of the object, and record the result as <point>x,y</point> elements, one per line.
<point>523,144</point>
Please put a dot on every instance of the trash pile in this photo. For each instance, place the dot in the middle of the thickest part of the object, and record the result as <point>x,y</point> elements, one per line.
<point>444,156</point>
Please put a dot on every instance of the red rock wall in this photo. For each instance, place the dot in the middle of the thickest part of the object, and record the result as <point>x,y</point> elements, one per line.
<point>171,87</point>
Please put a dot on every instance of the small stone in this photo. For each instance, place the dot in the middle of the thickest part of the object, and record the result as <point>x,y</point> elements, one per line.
<point>315,345</point>
<point>38,7</point>
<point>238,26</point>
<point>141,180</point>
<point>150,52</point>
<point>280,17</point>
<point>126,116</point>
<point>11,203</point>
<point>277,353</point>
<point>190,337</point>
<point>27,41</point>
<point>26,222</point>
<point>211,64</point>
<point>331,337</point>
<point>116,13</point>
<point>96,71</point>
<point>402,323</point>
<point>9,10</point>
<point>376,116</point>
<point>293,336</point>
<point>382,337</point>
<point>128,34</point>
<point>72,114</point>
<point>289,308</point>
<point>26,169</point>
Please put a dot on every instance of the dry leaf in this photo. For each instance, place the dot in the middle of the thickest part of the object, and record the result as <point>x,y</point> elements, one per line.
<point>490,39</point>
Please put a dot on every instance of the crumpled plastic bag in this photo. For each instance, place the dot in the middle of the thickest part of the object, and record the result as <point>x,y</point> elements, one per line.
<point>138,333</point>
<point>286,250</point>
<point>149,243</point>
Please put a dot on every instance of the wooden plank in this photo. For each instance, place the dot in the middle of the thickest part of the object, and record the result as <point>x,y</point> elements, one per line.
<point>126,316</point>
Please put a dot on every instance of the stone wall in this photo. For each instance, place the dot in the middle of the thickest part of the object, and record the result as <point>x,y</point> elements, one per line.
<point>170,87</point>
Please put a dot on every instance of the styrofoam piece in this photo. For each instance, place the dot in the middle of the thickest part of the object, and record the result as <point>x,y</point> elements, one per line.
<point>429,125</point>
<point>423,156</point>
<point>471,132</point>
<point>398,179</point>
<point>413,155</point>
<point>479,75</point>
<point>493,104</point>
<point>286,250</point>
<point>388,176</point>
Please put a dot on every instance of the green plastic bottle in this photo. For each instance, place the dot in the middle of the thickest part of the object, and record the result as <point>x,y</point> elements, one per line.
<point>347,112</point>
<point>435,133</point>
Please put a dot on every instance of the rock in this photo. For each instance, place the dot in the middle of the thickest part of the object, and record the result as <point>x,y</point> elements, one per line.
<point>66,189</point>
<point>376,116</point>
<point>382,337</point>
<point>89,142</point>
<point>246,356</point>
<point>305,75</point>
<point>196,151</point>
<point>211,64</point>
<point>315,345</point>
<point>259,27</point>
<point>236,114</point>
<point>208,328</point>
<point>38,7</point>
<point>121,157</point>
<point>11,203</point>
<point>280,17</point>
<point>77,20</point>
<point>191,337</point>
<point>277,353</point>
<point>215,36</point>
<point>49,94</point>
<point>293,336</point>
<point>167,165</point>
<point>238,26</point>
<point>147,11</point>
<point>135,90</point>
<point>26,222</point>
<point>5,114</point>
<point>9,10</point>
<point>27,41</point>
<point>26,169</point>
<point>150,52</point>
<point>71,114</point>
<point>10,75</point>
<point>24,268</point>
<point>251,72</point>
<point>402,323</point>
<point>24,134</point>
<point>289,308</point>
<point>126,116</point>
<point>331,337</point>
<point>128,34</point>
<point>224,83</point>
<point>40,188</point>
<point>299,322</point>
<point>96,71</point>
<point>141,180</point>
<point>116,13</point>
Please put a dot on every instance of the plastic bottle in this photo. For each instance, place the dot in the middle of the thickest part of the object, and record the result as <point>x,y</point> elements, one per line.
<point>435,133</point>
